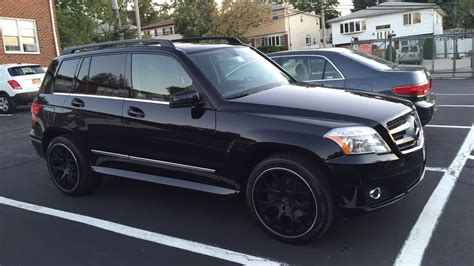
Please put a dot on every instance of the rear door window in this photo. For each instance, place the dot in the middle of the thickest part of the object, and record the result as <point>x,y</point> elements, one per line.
<point>25,70</point>
<point>107,76</point>
<point>65,78</point>
<point>297,67</point>
<point>82,76</point>
<point>156,77</point>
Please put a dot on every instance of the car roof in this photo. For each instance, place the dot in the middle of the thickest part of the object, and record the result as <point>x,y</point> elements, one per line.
<point>320,51</point>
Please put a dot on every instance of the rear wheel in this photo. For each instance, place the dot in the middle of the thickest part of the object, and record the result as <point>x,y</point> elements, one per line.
<point>6,104</point>
<point>290,198</point>
<point>69,167</point>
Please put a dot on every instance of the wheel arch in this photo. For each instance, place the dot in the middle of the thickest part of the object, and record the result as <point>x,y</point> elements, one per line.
<point>54,132</point>
<point>239,165</point>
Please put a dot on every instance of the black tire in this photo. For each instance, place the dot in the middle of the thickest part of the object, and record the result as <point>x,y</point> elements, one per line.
<point>69,167</point>
<point>6,104</point>
<point>301,197</point>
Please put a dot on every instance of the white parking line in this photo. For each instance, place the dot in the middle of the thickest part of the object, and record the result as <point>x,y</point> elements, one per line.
<point>449,126</point>
<point>415,245</point>
<point>455,94</point>
<point>436,169</point>
<point>456,105</point>
<point>5,114</point>
<point>161,239</point>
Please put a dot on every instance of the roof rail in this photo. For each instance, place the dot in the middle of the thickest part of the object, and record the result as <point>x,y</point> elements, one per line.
<point>103,45</point>
<point>230,40</point>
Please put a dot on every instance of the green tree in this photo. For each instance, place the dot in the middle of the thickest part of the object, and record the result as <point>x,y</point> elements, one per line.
<point>194,17</point>
<point>149,12</point>
<point>363,4</point>
<point>86,21</point>
<point>234,18</point>
<point>315,7</point>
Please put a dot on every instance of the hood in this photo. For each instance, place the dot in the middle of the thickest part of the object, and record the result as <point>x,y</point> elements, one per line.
<point>327,104</point>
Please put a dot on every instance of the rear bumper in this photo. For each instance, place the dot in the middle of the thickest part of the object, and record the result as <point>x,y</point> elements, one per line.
<point>355,178</point>
<point>426,108</point>
<point>38,145</point>
<point>24,98</point>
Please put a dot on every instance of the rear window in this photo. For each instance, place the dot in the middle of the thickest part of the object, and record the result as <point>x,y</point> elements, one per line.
<point>25,70</point>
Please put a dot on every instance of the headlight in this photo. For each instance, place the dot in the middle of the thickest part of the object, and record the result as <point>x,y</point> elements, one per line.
<point>358,140</point>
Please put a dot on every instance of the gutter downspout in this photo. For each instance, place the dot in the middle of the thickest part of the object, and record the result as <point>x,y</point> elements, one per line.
<point>55,36</point>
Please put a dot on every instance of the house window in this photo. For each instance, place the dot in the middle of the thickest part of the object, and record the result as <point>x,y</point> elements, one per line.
<point>156,32</point>
<point>352,27</point>
<point>416,17</point>
<point>171,30</point>
<point>274,16</point>
<point>164,31</point>
<point>308,40</point>
<point>407,19</point>
<point>19,36</point>
<point>301,18</point>
<point>412,18</point>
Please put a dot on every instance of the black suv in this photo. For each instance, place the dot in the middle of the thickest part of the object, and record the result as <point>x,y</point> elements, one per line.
<point>223,118</point>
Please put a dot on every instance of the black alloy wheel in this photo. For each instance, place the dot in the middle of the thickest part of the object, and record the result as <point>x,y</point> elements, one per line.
<point>289,195</point>
<point>64,168</point>
<point>69,167</point>
<point>284,202</point>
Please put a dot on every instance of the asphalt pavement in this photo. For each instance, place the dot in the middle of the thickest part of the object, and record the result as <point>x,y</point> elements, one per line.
<point>128,222</point>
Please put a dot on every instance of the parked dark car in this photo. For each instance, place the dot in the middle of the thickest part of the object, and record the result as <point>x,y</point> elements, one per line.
<point>353,70</point>
<point>223,118</point>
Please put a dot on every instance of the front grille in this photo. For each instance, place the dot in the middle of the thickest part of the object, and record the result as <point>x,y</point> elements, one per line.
<point>405,131</point>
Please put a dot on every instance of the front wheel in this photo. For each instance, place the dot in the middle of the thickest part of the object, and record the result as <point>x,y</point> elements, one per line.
<point>290,198</point>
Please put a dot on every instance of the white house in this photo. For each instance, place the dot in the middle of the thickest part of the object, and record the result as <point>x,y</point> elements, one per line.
<point>400,18</point>
<point>287,27</point>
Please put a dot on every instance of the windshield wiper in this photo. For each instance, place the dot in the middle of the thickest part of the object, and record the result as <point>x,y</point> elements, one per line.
<point>238,96</point>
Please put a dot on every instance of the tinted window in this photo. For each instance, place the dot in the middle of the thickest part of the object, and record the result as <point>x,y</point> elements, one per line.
<point>317,68</point>
<point>46,86</point>
<point>156,77</point>
<point>297,67</point>
<point>65,77</point>
<point>309,68</point>
<point>82,76</point>
<point>25,70</point>
<point>107,76</point>
<point>330,72</point>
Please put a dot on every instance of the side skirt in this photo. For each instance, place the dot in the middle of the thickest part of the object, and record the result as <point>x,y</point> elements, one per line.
<point>165,180</point>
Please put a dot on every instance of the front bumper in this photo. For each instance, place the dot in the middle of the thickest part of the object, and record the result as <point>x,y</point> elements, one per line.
<point>354,178</point>
<point>24,98</point>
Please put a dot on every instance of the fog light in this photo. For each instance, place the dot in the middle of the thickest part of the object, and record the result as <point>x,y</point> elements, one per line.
<point>375,193</point>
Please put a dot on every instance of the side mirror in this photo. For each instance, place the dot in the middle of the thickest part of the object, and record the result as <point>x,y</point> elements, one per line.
<point>186,98</point>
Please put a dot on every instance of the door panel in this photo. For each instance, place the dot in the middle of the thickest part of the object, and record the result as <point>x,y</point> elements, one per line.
<point>180,139</point>
<point>94,105</point>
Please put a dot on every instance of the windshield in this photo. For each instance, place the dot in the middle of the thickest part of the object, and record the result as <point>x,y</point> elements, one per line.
<point>238,71</point>
<point>371,60</point>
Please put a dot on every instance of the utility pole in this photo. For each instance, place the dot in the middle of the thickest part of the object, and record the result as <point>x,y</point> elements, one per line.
<point>323,24</point>
<point>116,9</point>
<point>137,17</point>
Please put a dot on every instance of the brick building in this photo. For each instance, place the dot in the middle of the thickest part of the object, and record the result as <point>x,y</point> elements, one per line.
<point>28,31</point>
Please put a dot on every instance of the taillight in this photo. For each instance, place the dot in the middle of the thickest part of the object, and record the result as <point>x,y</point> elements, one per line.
<point>14,84</point>
<point>35,109</point>
<point>413,90</point>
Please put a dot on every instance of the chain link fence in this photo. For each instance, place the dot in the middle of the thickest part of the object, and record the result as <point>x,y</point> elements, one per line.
<point>445,56</point>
